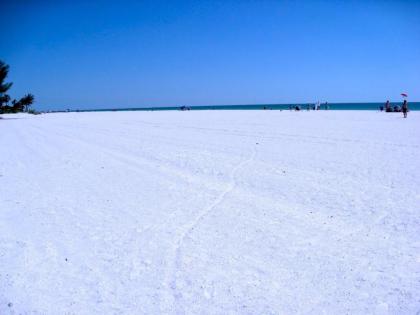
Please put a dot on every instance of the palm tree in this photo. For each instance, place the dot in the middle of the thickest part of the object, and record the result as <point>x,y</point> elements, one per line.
<point>4,98</point>
<point>26,101</point>
<point>17,106</point>
<point>4,70</point>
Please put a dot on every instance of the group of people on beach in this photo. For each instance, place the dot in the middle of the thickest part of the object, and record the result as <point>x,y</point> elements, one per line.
<point>396,108</point>
<point>184,108</point>
<point>316,106</point>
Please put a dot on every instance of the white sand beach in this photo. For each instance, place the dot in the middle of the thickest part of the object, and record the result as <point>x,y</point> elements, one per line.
<point>210,212</point>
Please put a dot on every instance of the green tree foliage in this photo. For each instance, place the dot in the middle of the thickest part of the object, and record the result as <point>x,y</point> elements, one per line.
<point>27,101</point>
<point>4,70</point>
<point>17,106</point>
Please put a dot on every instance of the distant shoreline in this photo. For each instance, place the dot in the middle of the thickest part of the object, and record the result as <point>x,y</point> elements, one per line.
<point>414,106</point>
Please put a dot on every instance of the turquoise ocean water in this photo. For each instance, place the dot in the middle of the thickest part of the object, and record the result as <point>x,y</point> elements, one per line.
<point>331,106</point>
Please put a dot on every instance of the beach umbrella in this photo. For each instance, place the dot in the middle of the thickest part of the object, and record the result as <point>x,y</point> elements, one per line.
<point>404,95</point>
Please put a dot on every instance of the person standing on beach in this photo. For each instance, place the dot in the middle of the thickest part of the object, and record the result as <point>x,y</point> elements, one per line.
<point>405,108</point>
<point>387,106</point>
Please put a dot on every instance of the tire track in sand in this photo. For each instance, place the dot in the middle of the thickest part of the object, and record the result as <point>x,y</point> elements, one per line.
<point>171,295</point>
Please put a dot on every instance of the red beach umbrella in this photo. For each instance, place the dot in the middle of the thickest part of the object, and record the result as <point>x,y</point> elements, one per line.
<point>404,95</point>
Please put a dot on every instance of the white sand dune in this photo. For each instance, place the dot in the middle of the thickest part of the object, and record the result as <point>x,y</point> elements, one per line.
<point>210,212</point>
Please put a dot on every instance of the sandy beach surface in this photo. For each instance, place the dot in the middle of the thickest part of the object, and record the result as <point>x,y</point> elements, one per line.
<point>210,212</point>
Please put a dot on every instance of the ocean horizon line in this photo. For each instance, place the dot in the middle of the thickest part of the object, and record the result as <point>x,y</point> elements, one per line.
<point>282,106</point>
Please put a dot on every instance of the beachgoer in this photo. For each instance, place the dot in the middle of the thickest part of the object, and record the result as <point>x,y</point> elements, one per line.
<point>381,108</point>
<point>405,108</point>
<point>387,107</point>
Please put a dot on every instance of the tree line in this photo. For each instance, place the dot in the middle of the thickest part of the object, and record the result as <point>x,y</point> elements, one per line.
<point>7,105</point>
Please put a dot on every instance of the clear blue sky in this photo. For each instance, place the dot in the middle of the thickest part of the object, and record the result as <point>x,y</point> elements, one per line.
<point>158,53</point>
